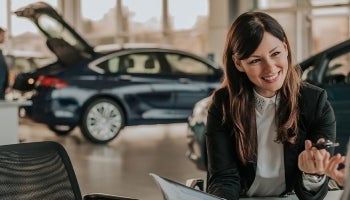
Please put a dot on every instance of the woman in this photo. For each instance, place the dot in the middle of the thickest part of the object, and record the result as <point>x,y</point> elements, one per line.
<point>263,119</point>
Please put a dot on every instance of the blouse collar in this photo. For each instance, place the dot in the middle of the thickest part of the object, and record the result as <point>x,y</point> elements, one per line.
<point>261,102</point>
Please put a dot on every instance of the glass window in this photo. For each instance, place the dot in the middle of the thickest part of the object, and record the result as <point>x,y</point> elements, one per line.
<point>288,22</point>
<point>329,30</point>
<point>142,63</point>
<point>182,64</point>
<point>338,70</point>
<point>327,2</point>
<point>266,4</point>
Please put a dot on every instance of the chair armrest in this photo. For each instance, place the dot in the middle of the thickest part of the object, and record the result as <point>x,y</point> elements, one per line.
<point>100,196</point>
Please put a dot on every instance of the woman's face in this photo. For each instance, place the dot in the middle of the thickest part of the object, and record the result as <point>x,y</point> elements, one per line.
<point>267,67</point>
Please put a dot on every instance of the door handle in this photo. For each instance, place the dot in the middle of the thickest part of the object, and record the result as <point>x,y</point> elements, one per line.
<point>125,78</point>
<point>184,80</point>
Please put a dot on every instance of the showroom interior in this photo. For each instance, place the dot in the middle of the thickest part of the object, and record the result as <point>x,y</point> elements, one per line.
<point>122,166</point>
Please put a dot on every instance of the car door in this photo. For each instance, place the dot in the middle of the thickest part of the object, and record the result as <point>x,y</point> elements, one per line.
<point>134,77</point>
<point>336,81</point>
<point>194,80</point>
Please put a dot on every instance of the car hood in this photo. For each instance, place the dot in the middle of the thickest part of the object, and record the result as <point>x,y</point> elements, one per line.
<point>62,40</point>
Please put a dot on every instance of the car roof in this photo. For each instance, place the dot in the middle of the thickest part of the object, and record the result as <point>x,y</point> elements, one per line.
<point>332,51</point>
<point>114,47</point>
<point>136,49</point>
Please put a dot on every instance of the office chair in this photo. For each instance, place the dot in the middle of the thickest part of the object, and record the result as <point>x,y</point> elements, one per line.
<point>40,170</point>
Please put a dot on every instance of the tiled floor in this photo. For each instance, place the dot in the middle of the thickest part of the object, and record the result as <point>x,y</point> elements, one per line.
<point>122,167</point>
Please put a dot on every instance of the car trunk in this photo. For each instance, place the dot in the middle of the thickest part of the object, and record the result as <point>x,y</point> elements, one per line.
<point>62,39</point>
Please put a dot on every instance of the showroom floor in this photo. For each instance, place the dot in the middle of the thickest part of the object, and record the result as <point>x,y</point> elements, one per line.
<point>122,167</point>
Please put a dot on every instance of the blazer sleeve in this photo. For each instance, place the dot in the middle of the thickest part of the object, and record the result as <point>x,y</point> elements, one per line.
<point>320,123</point>
<point>223,175</point>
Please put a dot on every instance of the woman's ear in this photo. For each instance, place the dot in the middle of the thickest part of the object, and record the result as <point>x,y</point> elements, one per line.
<point>238,63</point>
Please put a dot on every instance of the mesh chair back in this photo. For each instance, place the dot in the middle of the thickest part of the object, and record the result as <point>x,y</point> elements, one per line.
<point>38,170</point>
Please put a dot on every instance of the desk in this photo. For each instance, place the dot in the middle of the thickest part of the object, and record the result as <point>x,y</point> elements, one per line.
<point>9,121</point>
<point>332,195</point>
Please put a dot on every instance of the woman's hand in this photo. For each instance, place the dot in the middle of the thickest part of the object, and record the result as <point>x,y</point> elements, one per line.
<point>312,160</point>
<point>332,169</point>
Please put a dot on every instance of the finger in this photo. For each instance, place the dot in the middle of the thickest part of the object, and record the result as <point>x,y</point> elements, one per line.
<point>334,160</point>
<point>321,140</point>
<point>308,163</point>
<point>325,161</point>
<point>337,159</point>
<point>318,162</point>
<point>321,160</point>
<point>304,162</point>
<point>343,158</point>
<point>308,145</point>
<point>327,155</point>
<point>333,164</point>
<point>301,163</point>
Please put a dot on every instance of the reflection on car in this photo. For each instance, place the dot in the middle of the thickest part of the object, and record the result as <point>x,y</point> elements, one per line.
<point>329,69</point>
<point>101,92</point>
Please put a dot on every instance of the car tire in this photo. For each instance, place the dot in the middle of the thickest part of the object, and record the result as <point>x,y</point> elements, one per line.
<point>102,120</point>
<point>61,130</point>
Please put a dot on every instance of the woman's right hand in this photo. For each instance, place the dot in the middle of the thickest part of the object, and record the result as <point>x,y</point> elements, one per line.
<point>312,160</point>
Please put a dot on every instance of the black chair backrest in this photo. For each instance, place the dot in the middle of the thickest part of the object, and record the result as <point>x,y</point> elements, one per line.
<point>38,170</point>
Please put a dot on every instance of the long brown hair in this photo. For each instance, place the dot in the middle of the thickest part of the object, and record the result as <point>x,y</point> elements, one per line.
<point>243,38</point>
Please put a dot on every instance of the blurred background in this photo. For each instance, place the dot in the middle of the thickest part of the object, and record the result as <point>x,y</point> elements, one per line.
<point>197,26</point>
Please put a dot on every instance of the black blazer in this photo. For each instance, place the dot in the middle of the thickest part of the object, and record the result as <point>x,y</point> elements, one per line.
<point>230,179</point>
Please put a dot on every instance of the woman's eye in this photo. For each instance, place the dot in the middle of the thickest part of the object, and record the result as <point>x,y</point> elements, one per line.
<point>254,61</point>
<point>275,53</point>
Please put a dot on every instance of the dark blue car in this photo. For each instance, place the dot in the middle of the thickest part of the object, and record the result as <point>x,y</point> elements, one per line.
<point>104,92</point>
<point>329,69</point>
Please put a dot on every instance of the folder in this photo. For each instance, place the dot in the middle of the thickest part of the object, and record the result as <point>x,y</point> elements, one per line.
<point>172,190</point>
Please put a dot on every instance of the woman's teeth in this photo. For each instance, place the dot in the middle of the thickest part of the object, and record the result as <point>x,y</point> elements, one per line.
<point>269,78</point>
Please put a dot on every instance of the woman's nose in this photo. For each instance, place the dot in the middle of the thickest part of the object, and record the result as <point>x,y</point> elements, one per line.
<point>269,64</point>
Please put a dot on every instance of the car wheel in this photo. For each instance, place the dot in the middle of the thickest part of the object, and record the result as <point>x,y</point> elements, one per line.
<point>61,130</point>
<point>102,120</point>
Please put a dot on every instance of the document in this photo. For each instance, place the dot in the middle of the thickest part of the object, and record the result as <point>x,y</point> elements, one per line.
<point>172,190</point>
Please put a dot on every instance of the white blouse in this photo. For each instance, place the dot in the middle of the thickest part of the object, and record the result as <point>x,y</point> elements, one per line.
<point>270,175</point>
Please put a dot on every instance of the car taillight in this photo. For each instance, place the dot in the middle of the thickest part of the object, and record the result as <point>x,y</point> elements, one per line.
<point>45,81</point>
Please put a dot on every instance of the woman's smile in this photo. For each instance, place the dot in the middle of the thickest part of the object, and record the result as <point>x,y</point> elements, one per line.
<point>271,78</point>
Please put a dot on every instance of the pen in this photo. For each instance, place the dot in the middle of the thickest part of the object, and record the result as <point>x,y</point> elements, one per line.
<point>325,145</point>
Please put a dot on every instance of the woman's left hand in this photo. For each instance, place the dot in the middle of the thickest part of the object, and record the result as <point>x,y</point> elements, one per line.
<point>312,160</point>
